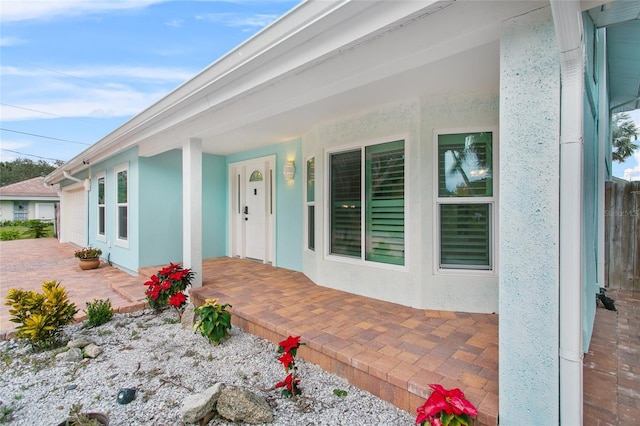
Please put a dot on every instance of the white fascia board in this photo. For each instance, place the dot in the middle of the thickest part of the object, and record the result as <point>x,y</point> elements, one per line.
<point>282,47</point>
<point>27,198</point>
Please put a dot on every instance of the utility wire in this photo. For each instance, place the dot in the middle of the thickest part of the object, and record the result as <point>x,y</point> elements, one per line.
<point>70,75</point>
<point>45,137</point>
<point>34,110</point>
<point>31,155</point>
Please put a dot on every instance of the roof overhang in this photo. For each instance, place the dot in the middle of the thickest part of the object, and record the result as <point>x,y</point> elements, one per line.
<point>622,22</point>
<point>321,61</point>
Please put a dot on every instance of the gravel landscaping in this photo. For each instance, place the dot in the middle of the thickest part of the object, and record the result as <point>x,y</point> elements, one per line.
<point>165,363</point>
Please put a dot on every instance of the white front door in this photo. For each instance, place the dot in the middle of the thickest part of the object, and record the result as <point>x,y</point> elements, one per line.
<point>255,212</point>
<point>251,209</point>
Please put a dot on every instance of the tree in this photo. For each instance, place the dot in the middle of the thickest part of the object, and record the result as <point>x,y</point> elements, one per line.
<point>623,129</point>
<point>23,169</point>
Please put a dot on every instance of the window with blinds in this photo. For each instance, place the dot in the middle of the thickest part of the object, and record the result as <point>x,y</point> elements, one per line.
<point>465,200</point>
<point>367,203</point>
<point>385,203</point>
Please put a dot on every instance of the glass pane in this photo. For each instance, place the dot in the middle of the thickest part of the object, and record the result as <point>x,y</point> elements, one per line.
<point>465,236</point>
<point>385,203</point>
<point>101,220</point>
<point>101,190</point>
<point>122,222</point>
<point>311,231</point>
<point>122,187</point>
<point>256,176</point>
<point>465,165</point>
<point>346,202</point>
<point>311,180</point>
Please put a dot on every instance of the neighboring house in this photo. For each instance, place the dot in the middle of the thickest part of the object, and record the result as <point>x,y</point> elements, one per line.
<point>29,199</point>
<point>444,155</point>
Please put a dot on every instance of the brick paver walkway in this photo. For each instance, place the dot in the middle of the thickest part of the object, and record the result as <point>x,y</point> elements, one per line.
<point>26,264</point>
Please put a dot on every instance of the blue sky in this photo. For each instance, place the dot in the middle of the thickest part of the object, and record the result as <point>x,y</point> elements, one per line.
<point>74,70</point>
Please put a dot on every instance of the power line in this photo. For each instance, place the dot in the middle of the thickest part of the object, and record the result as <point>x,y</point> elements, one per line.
<point>45,137</point>
<point>69,75</point>
<point>31,155</point>
<point>34,110</point>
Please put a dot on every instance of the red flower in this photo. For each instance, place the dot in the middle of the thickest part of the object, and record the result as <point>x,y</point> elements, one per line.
<point>288,382</point>
<point>177,299</point>
<point>153,292</point>
<point>286,359</point>
<point>290,343</point>
<point>444,401</point>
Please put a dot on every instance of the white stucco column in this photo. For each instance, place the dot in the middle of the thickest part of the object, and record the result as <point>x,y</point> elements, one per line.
<point>192,208</point>
<point>529,249</point>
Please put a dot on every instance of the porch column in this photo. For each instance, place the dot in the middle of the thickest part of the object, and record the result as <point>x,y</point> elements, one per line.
<point>529,266</point>
<point>192,208</point>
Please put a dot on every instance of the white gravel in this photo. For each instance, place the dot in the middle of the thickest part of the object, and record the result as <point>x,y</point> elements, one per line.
<point>166,363</point>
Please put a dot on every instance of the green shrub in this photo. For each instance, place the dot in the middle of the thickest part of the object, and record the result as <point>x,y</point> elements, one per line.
<point>41,316</point>
<point>37,228</point>
<point>9,235</point>
<point>214,320</point>
<point>98,312</point>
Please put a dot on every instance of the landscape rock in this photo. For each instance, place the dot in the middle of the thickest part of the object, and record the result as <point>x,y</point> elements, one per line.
<point>188,318</point>
<point>79,342</point>
<point>197,406</point>
<point>240,405</point>
<point>92,350</point>
<point>72,355</point>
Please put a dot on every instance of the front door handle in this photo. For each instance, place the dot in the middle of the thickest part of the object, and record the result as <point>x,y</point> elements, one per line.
<point>246,209</point>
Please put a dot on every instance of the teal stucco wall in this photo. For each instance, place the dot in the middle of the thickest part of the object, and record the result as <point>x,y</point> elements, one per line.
<point>125,257</point>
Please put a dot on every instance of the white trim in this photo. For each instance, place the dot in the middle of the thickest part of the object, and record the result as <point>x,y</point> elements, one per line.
<point>492,201</point>
<point>361,145</point>
<point>116,229</point>
<point>101,175</point>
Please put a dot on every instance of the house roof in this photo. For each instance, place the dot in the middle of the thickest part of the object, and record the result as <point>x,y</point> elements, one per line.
<point>29,189</point>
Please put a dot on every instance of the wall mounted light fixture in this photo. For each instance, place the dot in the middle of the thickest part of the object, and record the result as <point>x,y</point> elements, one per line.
<point>289,170</point>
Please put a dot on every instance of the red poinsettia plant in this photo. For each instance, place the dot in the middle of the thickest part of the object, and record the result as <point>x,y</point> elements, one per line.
<point>168,287</point>
<point>446,408</point>
<point>289,348</point>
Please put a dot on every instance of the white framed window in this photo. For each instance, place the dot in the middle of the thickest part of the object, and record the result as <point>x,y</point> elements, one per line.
<point>466,188</point>
<point>122,204</point>
<point>366,208</point>
<point>310,202</point>
<point>101,213</point>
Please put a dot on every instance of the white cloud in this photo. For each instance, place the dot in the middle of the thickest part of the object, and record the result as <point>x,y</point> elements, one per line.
<point>174,23</point>
<point>11,41</point>
<point>633,173</point>
<point>24,10</point>
<point>240,20</point>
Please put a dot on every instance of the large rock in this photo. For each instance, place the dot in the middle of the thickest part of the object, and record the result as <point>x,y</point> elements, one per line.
<point>79,342</point>
<point>195,407</point>
<point>72,355</point>
<point>188,318</point>
<point>92,350</point>
<point>240,405</point>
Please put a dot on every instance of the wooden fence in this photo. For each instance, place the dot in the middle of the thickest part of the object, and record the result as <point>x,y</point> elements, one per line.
<point>622,235</point>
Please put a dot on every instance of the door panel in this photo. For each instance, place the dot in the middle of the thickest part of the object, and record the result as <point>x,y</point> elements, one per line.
<point>254,214</point>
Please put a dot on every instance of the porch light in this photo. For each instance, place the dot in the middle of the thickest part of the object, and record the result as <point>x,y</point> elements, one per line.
<point>289,170</point>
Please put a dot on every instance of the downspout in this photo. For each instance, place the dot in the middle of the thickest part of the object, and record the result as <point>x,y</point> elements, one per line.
<point>68,176</point>
<point>568,25</point>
